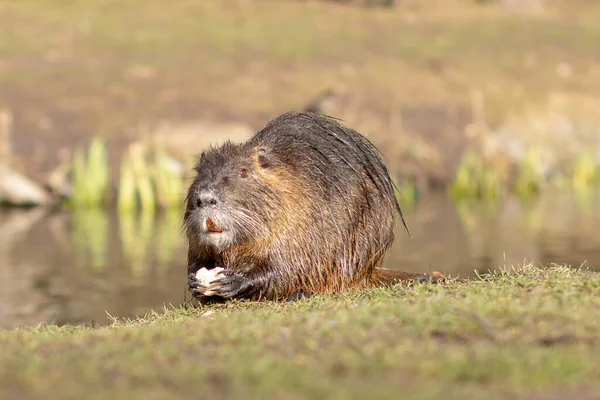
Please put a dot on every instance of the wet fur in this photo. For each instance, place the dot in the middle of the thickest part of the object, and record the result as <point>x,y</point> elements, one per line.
<point>315,212</point>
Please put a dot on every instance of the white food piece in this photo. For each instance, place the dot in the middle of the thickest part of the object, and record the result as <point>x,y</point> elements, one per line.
<point>206,276</point>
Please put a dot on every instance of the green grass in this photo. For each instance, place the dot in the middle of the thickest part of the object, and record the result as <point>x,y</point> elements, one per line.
<point>507,335</point>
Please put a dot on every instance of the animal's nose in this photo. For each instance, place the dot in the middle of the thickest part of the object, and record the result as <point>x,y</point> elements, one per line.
<point>206,199</point>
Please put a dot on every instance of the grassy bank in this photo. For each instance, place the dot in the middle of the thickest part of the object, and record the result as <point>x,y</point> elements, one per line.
<point>512,334</point>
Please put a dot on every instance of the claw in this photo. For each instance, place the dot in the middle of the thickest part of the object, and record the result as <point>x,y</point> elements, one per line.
<point>196,288</point>
<point>228,286</point>
<point>212,289</point>
<point>193,282</point>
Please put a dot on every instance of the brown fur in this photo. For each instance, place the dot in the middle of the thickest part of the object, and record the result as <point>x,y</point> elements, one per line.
<point>306,206</point>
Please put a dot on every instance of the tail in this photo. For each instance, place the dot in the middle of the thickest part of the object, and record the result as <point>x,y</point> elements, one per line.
<point>389,277</point>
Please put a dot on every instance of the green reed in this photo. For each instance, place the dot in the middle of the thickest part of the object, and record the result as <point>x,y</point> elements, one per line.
<point>584,179</point>
<point>149,179</point>
<point>530,178</point>
<point>584,172</point>
<point>90,175</point>
<point>477,178</point>
<point>168,180</point>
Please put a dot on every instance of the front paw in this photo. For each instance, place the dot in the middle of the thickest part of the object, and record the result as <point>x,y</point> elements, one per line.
<point>230,285</point>
<point>195,287</point>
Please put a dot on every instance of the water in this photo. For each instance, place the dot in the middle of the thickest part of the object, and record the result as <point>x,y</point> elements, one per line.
<point>80,267</point>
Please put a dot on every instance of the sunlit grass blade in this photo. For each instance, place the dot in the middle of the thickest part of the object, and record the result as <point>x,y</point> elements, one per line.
<point>168,179</point>
<point>90,175</point>
<point>127,193</point>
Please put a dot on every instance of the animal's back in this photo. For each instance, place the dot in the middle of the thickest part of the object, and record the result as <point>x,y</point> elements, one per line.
<point>348,202</point>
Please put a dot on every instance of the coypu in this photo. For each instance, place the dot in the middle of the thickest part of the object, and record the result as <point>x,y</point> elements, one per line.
<point>305,206</point>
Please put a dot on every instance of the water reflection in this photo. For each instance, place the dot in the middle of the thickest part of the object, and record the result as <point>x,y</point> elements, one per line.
<point>461,237</point>
<point>73,267</point>
<point>89,237</point>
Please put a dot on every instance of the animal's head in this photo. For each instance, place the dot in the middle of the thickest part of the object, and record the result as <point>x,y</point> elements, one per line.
<point>233,197</point>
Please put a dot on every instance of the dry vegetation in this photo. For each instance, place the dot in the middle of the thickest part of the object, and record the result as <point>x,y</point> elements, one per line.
<point>405,75</point>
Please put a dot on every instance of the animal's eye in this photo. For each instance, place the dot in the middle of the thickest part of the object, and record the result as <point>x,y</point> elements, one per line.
<point>243,173</point>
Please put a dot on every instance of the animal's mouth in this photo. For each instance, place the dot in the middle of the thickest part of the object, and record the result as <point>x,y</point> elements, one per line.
<point>213,227</point>
<point>215,233</point>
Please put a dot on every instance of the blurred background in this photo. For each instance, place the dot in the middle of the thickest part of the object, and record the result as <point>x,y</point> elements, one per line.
<point>487,113</point>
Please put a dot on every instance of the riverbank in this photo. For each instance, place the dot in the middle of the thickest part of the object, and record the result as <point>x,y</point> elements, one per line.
<point>531,333</point>
<point>425,82</point>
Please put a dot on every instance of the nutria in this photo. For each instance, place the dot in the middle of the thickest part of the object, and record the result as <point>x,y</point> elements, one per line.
<point>305,206</point>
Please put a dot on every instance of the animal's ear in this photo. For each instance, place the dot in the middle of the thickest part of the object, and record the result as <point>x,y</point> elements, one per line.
<point>264,157</point>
